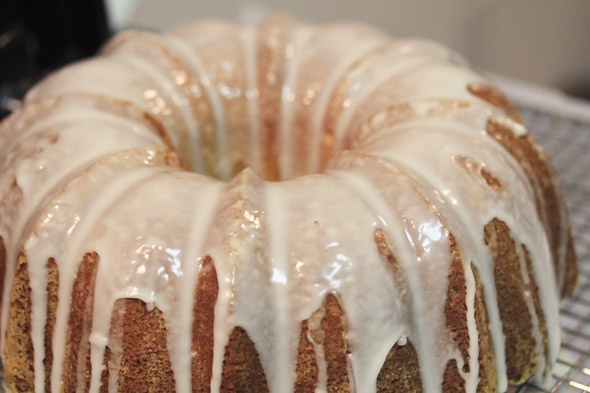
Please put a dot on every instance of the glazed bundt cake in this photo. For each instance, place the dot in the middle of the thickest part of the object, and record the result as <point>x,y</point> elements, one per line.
<point>276,207</point>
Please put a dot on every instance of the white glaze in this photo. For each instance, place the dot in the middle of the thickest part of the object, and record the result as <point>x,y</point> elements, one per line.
<point>286,244</point>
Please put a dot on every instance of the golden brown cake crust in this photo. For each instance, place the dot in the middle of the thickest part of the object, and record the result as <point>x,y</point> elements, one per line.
<point>307,368</point>
<point>242,371</point>
<point>537,166</point>
<point>19,374</point>
<point>52,301</point>
<point>76,370</point>
<point>333,327</point>
<point>145,361</point>
<point>511,290</point>
<point>203,327</point>
<point>2,273</point>
<point>401,370</point>
<point>456,315</point>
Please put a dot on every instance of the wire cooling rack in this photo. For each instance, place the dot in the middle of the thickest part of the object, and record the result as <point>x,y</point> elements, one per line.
<point>562,126</point>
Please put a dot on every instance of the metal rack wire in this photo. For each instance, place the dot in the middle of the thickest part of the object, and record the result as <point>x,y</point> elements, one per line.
<point>568,142</point>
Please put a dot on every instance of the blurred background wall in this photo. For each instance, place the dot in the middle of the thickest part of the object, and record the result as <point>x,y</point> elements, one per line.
<point>544,42</point>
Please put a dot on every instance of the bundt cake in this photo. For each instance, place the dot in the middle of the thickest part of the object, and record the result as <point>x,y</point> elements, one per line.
<point>276,207</point>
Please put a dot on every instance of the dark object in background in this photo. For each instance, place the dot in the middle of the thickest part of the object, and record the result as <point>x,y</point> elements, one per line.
<point>37,36</point>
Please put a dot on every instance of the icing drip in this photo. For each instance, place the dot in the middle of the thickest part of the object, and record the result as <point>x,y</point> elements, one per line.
<point>252,94</point>
<point>372,228</point>
<point>292,58</point>
<point>214,99</point>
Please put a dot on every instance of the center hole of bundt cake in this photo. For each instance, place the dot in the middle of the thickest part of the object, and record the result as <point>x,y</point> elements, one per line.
<point>274,156</point>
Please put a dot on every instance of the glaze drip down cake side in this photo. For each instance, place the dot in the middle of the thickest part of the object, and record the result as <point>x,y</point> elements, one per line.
<point>276,207</point>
